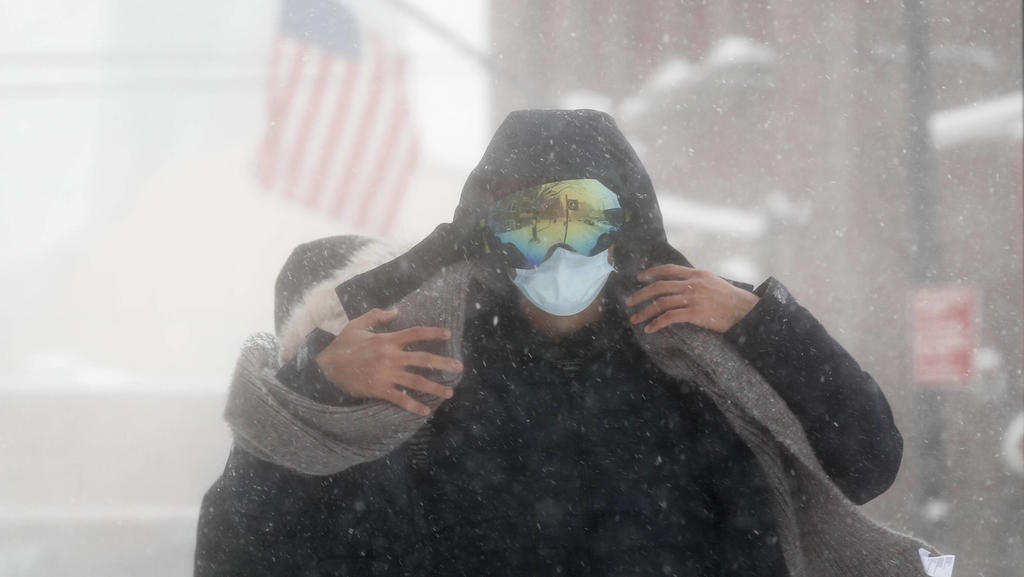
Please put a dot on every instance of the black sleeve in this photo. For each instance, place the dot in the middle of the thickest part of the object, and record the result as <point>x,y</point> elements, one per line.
<point>258,519</point>
<point>745,538</point>
<point>842,409</point>
<point>303,375</point>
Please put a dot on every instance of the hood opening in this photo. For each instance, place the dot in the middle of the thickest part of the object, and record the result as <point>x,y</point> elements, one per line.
<point>531,147</point>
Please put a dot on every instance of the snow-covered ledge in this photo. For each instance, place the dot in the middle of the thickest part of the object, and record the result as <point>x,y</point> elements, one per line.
<point>996,119</point>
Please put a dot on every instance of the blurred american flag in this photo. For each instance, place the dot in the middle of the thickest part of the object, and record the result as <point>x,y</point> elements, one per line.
<point>339,135</point>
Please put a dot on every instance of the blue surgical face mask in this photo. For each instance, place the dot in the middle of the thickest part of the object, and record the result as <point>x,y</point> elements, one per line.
<point>566,283</point>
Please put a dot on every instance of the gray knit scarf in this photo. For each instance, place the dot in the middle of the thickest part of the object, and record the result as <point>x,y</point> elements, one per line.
<point>822,533</point>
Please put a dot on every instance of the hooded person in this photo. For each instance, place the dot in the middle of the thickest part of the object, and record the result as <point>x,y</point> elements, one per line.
<point>572,398</point>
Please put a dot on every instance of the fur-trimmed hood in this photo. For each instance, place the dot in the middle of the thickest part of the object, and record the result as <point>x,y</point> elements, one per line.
<point>305,297</point>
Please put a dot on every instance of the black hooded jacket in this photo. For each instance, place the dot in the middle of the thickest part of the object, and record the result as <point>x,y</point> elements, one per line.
<point>577,456</point>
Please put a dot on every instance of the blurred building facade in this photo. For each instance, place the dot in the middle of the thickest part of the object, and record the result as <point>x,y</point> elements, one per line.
<point>799,114</point>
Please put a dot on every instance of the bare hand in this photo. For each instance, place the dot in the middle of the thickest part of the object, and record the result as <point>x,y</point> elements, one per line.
<point>372,365</point>
<point>680,294</point>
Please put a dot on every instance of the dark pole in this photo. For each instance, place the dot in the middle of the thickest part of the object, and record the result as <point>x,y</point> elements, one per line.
<point>498,73</point>
<point>565,235</point>
<point>925,253</point>
<point>443,33</point>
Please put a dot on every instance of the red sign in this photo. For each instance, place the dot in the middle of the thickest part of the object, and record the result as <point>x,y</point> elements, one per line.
<point>945,335</point>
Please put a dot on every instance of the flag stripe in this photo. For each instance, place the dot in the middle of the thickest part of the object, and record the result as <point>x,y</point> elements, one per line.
<point>361,96</point>
<point>375,142</point>
<point>399,189</point>
<point>335,131</point>
<point>367,122</point>
<point>386,151</point>
<point>291,131</point>
<point>339,135</point>
<point>268,159</point>
<point>377,213</point>
<point>298,153</point>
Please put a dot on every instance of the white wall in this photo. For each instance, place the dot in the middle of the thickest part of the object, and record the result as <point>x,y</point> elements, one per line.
<point>137,251</point>
<point>135,241</point>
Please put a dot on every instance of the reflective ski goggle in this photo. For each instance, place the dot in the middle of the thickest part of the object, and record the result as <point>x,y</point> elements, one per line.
<point>578,214</point>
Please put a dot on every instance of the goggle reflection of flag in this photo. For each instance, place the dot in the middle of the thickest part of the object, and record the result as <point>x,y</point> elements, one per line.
<point>577,214</point>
